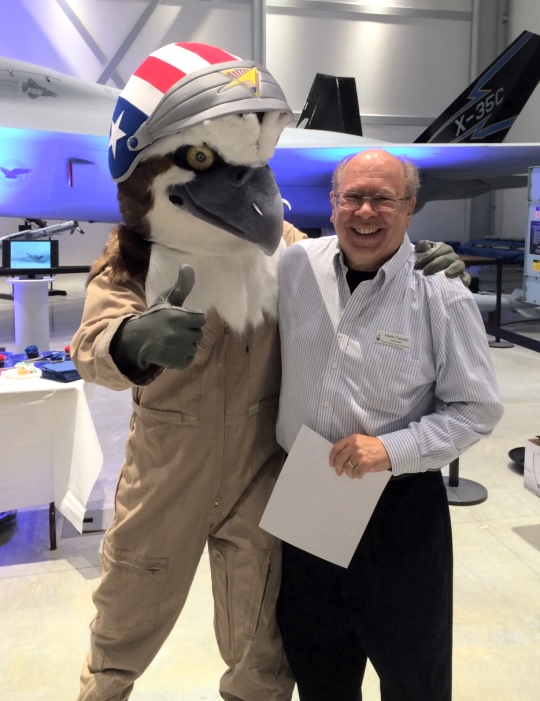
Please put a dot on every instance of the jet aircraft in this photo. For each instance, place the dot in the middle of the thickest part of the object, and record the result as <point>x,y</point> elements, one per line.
<point>54,140</point>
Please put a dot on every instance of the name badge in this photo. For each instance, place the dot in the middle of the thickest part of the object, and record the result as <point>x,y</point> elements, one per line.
<point>392,339</point>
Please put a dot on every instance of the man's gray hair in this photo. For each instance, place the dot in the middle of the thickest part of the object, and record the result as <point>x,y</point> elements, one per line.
<point>411,177</point>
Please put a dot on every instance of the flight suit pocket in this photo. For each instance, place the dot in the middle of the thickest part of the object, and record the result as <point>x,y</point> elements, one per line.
<point>129,594</point>
<point>221,567</point>
<point>261,626</point>
<point>180,391</point>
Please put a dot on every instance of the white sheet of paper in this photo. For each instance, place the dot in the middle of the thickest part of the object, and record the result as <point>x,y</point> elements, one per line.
<point>314,509</point>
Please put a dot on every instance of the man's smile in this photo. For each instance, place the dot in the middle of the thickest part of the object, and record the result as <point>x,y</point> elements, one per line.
<point>366,231</point>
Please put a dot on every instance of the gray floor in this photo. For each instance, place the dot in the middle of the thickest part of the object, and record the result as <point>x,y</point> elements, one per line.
<point>45,597</point>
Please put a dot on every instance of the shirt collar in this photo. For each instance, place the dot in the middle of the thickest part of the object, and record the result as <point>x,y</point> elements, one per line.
<point>387,271</point>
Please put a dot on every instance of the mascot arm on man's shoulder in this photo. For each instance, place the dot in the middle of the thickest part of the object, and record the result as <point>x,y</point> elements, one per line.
<point>437,256</point>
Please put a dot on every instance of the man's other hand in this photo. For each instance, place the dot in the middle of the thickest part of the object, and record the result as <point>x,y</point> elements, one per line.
<point>357,455</point>
<point>434,256</point>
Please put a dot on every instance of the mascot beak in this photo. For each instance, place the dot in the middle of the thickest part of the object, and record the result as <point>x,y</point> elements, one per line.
<point>241,200</point>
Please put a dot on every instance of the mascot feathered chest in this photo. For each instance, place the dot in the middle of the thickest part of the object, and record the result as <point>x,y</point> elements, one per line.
<point>241,288</point>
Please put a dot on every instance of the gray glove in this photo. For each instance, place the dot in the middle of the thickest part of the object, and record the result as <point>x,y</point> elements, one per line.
<point>164,336</point>
<point>436,256</point>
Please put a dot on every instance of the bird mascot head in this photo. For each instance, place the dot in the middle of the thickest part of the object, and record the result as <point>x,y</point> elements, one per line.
<point>190,141</point>
<point>191,137</point>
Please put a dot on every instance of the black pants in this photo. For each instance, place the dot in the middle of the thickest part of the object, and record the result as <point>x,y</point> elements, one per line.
<point>393,604</point>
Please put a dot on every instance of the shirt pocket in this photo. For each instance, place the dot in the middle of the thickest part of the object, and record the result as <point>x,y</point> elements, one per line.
<point>390,379</point>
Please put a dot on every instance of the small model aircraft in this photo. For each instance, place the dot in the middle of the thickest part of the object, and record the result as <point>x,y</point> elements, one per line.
<point>54,141</point>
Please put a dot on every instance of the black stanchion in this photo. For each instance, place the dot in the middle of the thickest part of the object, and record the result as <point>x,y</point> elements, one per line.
<point>462,492</point>
<point>498,343</point>
<point>52,525</point>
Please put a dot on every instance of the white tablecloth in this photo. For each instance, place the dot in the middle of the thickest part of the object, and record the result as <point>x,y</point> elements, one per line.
<point>49,449</point>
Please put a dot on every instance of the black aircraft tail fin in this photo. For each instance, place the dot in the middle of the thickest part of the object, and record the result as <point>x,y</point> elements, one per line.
<point>488,108</point>
<point>332,105</point>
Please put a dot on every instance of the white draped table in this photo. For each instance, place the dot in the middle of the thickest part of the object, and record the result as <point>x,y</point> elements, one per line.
<point>49,449</point>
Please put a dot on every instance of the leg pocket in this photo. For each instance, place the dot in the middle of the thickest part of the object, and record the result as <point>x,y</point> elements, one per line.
<point>261,625</point>
<point>129,594</point>
<point>222,556</point>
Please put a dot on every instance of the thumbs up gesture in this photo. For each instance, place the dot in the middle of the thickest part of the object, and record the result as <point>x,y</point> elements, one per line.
<point>166,334</point>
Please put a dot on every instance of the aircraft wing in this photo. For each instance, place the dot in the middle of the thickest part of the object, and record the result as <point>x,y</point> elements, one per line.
<point>34,97</point>
<point>53,145</point>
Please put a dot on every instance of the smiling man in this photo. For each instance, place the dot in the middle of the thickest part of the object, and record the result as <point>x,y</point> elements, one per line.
<point>393,368</point>
<point>372,204</point>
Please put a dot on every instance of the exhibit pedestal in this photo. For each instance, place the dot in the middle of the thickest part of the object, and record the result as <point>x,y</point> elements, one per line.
<point>31,312</point>
<point>463,492</point>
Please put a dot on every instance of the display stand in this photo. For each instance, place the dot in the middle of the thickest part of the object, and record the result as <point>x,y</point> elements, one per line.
<point>498,342</point>
<point>31,311</point>
<point>462,492</point>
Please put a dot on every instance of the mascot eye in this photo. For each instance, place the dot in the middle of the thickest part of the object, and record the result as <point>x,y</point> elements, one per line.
<point>200,157</point>
<point>197,158</point>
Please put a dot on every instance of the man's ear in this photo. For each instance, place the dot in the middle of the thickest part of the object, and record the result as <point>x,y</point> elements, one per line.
<point>332,205</point>
<point>410,209</point>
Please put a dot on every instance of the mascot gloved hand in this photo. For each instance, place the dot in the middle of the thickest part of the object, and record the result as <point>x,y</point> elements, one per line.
<point>437,256</point>
<point>165,335</point>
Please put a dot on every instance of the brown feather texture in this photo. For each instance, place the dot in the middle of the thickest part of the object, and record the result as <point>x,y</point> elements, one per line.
<point>135,194</point>
<point>127,252</point>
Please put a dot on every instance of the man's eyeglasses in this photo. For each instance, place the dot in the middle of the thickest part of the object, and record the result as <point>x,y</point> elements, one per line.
<point>380,203</point>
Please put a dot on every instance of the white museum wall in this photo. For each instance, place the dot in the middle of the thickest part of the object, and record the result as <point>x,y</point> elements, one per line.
<point>53,40</point>
<point>386,59</point>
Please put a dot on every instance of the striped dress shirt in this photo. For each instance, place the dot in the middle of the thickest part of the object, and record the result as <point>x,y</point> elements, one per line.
<point>404,357</point>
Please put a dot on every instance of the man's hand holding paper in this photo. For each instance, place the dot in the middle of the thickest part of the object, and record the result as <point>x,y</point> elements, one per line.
<point>357,455</point>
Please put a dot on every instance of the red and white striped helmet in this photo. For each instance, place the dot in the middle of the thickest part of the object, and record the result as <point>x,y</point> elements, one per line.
<point>181,85</point>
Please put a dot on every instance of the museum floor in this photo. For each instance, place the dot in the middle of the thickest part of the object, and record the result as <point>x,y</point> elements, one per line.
<point>45,597</point>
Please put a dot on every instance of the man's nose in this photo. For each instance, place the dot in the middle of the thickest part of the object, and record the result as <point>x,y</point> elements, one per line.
<point>366,210</point>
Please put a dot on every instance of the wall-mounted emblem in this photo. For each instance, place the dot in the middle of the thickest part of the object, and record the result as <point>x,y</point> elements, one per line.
<point>13,173</point>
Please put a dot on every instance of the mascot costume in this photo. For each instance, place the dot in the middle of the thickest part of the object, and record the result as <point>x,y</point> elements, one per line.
<point>190,141</point>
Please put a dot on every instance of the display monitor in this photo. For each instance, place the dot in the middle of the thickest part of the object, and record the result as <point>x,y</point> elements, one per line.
<point>29,257</point>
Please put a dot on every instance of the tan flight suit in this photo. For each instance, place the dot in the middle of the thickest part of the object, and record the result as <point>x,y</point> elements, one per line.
<point>201,462</point>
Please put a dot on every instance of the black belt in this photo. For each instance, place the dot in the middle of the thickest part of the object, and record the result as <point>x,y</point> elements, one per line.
<point>406,475</point>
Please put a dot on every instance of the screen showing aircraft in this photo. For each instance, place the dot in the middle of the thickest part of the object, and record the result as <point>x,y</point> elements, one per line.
<point>30,254</point>
<point>54,141</point>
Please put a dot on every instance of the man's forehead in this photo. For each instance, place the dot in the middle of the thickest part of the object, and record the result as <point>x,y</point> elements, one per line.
<point>374,164</point>
<point>380,178</point>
